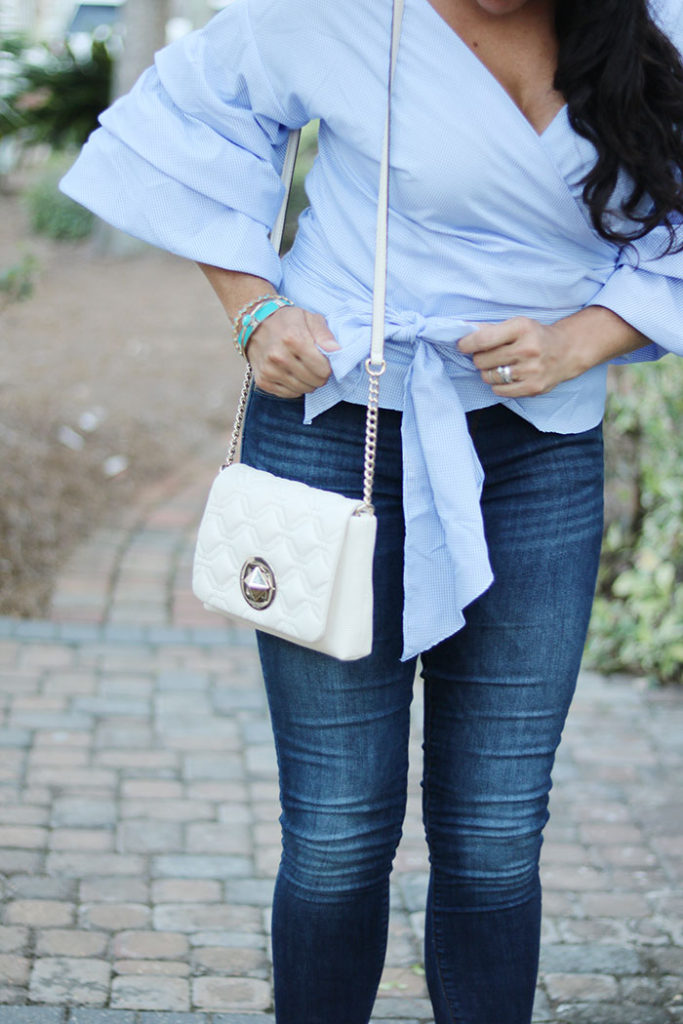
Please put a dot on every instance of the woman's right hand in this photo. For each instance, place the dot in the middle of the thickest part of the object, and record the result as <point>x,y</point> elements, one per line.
<point>284,352</point>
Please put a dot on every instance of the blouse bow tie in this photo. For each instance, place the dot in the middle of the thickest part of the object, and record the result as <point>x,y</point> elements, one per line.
<point>445,549</point>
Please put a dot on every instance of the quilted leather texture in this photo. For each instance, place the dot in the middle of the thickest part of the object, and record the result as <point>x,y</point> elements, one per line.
<point>303,534</point>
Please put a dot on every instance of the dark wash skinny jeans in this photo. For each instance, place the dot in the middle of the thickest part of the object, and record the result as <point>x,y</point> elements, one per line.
<point>496,697</point>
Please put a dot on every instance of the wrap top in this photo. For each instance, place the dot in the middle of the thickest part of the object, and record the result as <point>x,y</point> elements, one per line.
<point>486,222</point>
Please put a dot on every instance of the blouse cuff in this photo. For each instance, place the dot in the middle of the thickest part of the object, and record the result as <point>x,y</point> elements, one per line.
<point>652,304</point>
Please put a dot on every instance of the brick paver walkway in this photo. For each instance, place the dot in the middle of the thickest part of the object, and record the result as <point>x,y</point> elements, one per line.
<point>138,833</point>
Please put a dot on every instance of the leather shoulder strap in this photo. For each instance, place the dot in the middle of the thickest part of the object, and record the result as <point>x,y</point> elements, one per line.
<point>379,292</point>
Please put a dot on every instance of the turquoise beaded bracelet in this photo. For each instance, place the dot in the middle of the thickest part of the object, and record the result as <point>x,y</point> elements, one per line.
<point>247,324</point>
<point>237,319</point>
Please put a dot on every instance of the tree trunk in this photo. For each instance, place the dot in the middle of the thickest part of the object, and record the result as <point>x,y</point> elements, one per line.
<point>144,32</point>
<point>196,11</point>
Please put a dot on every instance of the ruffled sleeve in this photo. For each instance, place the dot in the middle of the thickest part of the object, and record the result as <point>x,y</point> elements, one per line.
<point>189,160</point>
<point>646,290</point>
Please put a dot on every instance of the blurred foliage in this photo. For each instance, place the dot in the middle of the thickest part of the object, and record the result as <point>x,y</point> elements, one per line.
<point>16,282</point>
<point>298,201</point>
<point>637,623</point>
<point>54,95</point>
<point>51,213</point>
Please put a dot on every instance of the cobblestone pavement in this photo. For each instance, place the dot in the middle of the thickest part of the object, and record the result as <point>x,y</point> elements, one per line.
<point>138,807</point>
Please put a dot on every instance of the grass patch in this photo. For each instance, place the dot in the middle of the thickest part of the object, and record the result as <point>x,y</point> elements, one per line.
<point>50,212</point>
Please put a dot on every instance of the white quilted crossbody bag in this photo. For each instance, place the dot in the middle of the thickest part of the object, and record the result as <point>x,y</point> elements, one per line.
<point>286,558</point>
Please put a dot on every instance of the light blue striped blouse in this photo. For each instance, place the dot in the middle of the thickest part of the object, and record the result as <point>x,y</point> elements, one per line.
<point>486,222</point>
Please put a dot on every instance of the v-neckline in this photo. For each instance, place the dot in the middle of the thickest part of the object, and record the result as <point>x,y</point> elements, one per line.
<point>486,71</point>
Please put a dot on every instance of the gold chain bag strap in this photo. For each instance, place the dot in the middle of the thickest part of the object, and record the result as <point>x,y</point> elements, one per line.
<point>283,557</point>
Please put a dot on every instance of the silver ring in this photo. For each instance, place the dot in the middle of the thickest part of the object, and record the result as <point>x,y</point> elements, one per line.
<point>505,374</point>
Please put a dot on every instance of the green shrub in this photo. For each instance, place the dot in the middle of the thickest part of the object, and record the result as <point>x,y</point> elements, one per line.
<point>637,623</point>
<point>16,282</point>
<point>298,201</point>
<point>53,214</point>
<point>56,98</point>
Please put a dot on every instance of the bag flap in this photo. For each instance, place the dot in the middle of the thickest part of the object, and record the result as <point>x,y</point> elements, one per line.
<point>297,530</point>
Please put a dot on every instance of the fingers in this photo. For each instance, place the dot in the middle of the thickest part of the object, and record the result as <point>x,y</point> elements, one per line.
<point>524,388</point>
<point>506,355</point>
<point>320,332</point>
<point>284,352</point>
<point>500,376</point>
<point>489,337</point>
<point>493,352</point>
<point>518,389</point>
<point>515,358</point>
<point>514,381</point>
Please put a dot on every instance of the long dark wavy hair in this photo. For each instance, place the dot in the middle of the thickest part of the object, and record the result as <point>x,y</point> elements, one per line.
<point>622,79</point>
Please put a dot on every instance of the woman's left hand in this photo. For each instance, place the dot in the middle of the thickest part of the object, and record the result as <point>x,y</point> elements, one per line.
<point>521,357</point>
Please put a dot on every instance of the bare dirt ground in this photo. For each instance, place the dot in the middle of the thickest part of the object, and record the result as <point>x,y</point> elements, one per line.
<point>111,372</point>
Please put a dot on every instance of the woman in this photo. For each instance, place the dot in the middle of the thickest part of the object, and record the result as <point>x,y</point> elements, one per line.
<point>535,191</point>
